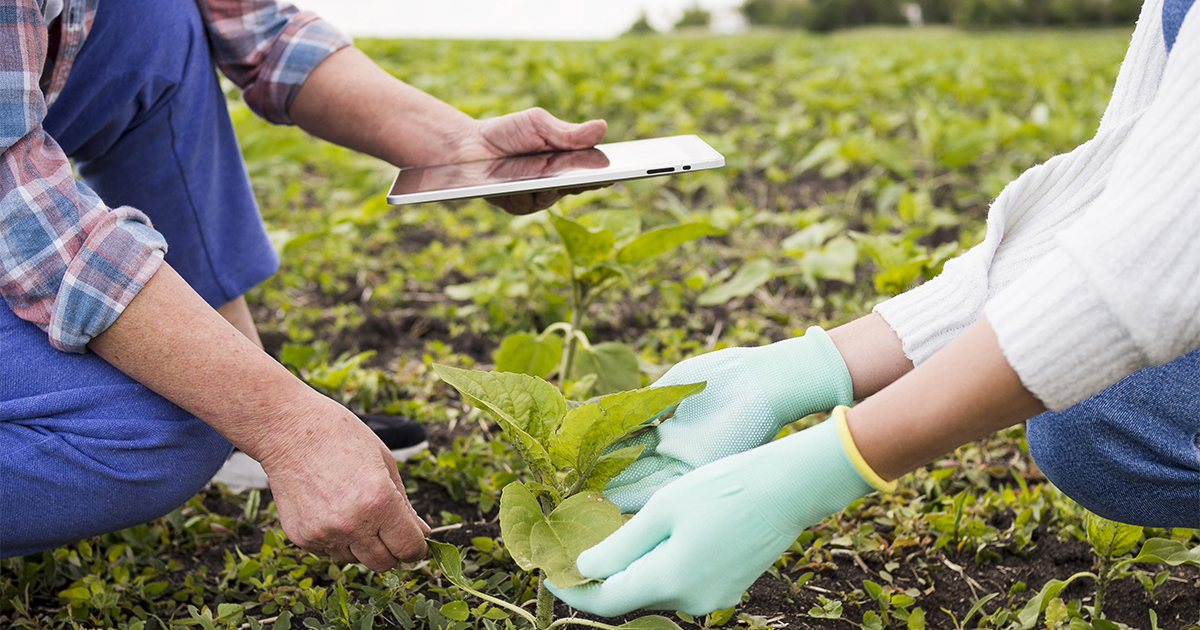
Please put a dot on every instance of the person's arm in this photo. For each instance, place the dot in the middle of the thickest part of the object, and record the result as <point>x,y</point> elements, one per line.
<point>334,481</point>
<point>1024,220</point>
<point>294,67</point>
<point>68,263</point>
<point>963,393</point>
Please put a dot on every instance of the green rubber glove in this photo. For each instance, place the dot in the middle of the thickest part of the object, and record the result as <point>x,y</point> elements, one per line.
<point>752,393</point>
<point>700,542</point>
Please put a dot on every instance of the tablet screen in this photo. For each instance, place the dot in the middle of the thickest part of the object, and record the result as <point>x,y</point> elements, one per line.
<point>618,159</point>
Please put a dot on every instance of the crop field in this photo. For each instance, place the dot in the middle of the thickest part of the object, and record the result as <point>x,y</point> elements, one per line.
<point>857,165</point>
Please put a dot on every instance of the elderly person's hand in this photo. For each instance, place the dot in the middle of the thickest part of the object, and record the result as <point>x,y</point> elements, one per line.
<point>338,490</point>
<point>531,131</point>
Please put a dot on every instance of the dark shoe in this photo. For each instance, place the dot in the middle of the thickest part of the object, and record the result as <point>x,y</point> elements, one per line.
<point>404,437</point>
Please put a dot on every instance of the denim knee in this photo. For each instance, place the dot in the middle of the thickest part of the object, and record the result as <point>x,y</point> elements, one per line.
<point>1132,452</point>
<point>114,457</point>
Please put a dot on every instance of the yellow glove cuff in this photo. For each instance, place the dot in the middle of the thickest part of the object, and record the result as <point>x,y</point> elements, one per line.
<point>839,416</point>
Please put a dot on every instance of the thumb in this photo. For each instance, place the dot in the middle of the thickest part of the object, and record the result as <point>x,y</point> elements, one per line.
<point>633,540</point>
<point>569,136</point>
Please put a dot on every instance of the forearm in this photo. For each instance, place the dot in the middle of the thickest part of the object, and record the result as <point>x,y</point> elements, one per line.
<point>170,340</point>
<point>964,392</point>
<point>351,101</point>
<point>872,352</point>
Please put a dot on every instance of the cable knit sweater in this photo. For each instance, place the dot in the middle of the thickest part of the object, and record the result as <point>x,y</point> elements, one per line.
<point>1090,268</point>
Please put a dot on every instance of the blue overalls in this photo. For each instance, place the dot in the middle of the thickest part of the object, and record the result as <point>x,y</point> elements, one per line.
<point>84,449</point>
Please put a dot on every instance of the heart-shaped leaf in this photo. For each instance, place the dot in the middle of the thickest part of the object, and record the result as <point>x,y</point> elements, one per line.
<point>614,364</point>
<point>656,241</point>
<point>585,246</point>
<point>524,353</point>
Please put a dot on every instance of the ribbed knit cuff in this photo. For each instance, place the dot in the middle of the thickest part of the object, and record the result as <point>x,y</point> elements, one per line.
<point>932,315</point>
<point>801,376</point>
<point>1058,334</point>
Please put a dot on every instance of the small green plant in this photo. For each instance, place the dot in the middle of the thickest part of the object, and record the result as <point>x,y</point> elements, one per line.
<point>1112,542</point>
<point>599,250</point>
<point>557,512</point>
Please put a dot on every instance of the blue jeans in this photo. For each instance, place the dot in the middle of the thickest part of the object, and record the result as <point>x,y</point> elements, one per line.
<point>1132,452</point>
<point>84,449</point>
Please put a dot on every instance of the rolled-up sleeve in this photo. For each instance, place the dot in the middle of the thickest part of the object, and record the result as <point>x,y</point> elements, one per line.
<point>268,49</point>
<point>1123,290</point>
<point>68,263</point>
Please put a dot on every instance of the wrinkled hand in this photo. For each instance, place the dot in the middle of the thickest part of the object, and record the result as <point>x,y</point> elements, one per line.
<point>339,493</point>
<point>751,394</point>
<point>531,131</point>
<point>700,542</point>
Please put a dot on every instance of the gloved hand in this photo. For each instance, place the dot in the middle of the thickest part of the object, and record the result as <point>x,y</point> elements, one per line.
<point>700,542</point>
<point>752,393</point>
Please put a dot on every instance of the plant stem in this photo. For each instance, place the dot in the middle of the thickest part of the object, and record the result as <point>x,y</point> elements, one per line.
<point>501,603</point>
<point>568,361</point>
<point>581,622</point>
<point>1102,579</point>
<point>545,603</point>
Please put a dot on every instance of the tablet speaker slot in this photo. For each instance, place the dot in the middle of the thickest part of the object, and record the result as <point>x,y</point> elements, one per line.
<point>660,171</point>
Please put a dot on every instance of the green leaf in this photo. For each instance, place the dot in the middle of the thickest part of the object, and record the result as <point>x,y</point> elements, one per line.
<point>600,275</point>
<point>283,622</point>
<point>916,620</point>
<point>447,559</point>
<point>652,622</point>
<point>624,224</point>
<point>749,277</point>
<point>659,240</point>
<point>525,353</point>
<point>582,521</point>
<point>527,408</point>
<point>614,364</point>
<point>1168,552</point>
<point>227,612</point>
<point>585,246</point>
<point>834,261</point>
<point>872,621</point>
<point>1034,607</point>
<point>301,357</point>
<point>519,510</point>
<point>718,618</point>
<point>811,237</point>
<point>897,279</point>
<point>589,429</point>
<point>458,611</point>
<point>1111,539</point>
<point>611,465</point>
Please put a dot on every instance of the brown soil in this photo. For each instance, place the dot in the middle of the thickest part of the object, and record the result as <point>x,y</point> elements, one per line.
<point>1177,602</point>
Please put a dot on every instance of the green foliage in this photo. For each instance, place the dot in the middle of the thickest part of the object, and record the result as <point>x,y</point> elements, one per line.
<point>694,17</point>
<point>641,26</point>
<point>902,134</point>
<point>828,15</point>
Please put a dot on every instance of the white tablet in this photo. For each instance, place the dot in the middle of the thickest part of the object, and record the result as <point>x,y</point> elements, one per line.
<point>551,171</point>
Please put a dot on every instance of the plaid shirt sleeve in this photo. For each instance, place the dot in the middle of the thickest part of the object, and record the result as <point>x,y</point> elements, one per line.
<point>68,263</point>
<point>268,49</point>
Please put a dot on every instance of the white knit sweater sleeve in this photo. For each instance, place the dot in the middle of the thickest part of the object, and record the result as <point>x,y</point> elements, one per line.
<point>1024,219</point>
<point>1122,291</point>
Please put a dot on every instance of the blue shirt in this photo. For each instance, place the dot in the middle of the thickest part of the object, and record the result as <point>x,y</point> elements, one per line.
<point>1173,13</point>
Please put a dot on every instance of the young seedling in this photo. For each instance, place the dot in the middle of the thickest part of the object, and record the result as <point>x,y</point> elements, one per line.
<point>599,250</point>
<point>558,512</point>
<point>1112,543</point>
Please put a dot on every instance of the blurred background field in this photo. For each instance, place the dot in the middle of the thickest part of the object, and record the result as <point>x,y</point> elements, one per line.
<point>858,163</point>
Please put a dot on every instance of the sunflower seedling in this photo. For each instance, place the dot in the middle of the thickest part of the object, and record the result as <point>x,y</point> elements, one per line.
<point>557,512</point>
<point>599,250</point>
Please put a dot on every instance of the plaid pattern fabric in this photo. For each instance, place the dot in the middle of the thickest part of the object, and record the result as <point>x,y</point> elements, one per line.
<point>68,262</point>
